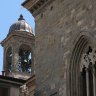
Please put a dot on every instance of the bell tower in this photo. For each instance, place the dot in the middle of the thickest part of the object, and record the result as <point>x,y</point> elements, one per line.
<point>19,50</point>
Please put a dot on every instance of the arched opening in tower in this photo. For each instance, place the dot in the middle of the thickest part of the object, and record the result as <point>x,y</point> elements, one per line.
<point>9,59</point>
<point>25,59</point>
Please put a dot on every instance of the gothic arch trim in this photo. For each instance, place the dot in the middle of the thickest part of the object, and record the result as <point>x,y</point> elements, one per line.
<point>74,65</point>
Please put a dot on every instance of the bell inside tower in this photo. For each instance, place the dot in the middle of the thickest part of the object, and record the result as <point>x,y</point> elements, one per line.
<point>25,59</point>
<point>18,50</point>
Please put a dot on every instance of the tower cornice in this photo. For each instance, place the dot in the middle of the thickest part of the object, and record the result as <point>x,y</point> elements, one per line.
<point>21,34</point>
<point>35,6</point>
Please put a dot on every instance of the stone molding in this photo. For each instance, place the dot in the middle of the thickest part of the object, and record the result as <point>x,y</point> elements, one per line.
<point>21,34</point>
<point>35,6</point>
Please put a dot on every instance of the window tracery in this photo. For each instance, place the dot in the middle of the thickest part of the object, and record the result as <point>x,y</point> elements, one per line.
<point>88,72</point>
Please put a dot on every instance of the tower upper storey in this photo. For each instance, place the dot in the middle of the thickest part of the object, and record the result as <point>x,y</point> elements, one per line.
<point>18,50</point>
<point>20,25</point>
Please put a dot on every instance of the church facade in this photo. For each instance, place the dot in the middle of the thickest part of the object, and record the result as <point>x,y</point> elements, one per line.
<point>65,50</point>
<point>60,60</point>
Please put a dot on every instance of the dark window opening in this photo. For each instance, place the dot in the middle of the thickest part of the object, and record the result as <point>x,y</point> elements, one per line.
<point>4,91</point>
<point>84,87</point>
<point>88,74</point>
<point>90,80</point>
<point>25,60</point>
<point>9,59</point>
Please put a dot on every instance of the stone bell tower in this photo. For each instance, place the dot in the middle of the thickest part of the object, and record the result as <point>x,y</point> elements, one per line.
<point>18,50</point>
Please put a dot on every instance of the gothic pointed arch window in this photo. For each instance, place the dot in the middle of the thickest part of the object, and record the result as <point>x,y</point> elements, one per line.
<point>82,74</point>
<point>9,60</point>
<point>25,59</point>
<point>88,72</point>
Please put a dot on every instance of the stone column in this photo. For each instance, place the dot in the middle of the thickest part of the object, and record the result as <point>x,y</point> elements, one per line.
<point>4,59</point>
<point>14,91</point>
<point>15,58</point>
<point>87,81</point>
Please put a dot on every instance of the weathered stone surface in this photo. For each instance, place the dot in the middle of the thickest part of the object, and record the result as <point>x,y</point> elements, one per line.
<point>58,27</point>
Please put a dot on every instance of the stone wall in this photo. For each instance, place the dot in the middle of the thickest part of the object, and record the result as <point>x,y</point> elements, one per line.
<point>58,27</point>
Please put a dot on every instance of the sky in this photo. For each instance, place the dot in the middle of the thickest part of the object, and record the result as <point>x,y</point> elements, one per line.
<point>10,11</point>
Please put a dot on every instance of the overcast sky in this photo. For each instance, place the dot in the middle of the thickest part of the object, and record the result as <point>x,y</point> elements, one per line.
<point>10,11</point>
